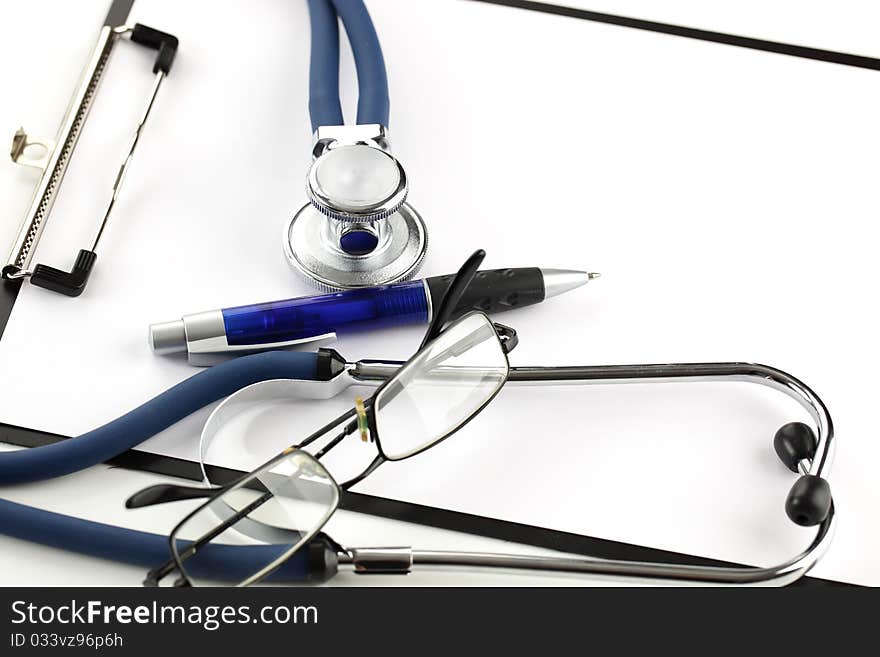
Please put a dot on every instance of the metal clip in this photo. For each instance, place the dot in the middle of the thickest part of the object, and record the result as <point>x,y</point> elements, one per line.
<point>204,336</point>
<point>331,136</point>
<point>21,142</point>
<point>212,351</point>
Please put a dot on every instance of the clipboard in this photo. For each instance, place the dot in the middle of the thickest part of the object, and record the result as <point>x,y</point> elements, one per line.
<point>452,520</point>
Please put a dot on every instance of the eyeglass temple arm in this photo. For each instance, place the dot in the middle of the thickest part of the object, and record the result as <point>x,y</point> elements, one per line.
<point>379,460</point>
<point>453,295</point>
<point>229,522</point>
<point>164,493</point>
<point>157,574</point>
<point>196,545</point>
<point>349,429</point>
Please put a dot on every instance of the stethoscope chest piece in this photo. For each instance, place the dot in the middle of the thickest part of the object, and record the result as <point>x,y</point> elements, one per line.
<point>357,230</point>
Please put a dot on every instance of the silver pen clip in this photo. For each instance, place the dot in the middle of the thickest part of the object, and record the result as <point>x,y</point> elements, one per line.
<point>207,352</point>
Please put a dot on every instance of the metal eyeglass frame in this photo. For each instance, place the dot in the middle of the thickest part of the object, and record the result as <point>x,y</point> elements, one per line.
<point>162,493</point>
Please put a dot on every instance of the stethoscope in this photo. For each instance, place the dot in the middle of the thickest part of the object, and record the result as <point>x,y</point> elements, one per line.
<point>803,449</point>
<point>357,229</point>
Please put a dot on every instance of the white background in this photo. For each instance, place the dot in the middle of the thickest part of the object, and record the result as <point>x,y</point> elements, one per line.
<point>727,195</point>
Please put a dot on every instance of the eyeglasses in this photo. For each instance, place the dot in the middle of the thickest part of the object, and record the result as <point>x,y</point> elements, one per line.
<point>435,393</point>
<point>456,372</point>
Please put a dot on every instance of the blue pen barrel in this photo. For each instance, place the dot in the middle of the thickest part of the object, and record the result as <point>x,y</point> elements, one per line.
<point>340,312</point>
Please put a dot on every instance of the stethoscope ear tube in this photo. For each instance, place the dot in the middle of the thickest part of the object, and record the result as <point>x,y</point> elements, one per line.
<point>800,448</point>
<point>373,99</point>
<point>324,105</point>
<point>220,562</point>
<point>136,426</point>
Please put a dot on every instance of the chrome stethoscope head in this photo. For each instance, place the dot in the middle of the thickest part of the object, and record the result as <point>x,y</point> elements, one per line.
<point>357,229</point>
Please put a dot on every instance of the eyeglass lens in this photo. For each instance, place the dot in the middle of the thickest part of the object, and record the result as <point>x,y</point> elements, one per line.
<point>441,387</point>
<point>283,505</point>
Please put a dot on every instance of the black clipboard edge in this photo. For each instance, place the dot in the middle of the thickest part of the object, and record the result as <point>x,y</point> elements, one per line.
<point>751,43</point>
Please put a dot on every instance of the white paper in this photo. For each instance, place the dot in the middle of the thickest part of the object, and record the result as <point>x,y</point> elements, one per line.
<point>726,195</point>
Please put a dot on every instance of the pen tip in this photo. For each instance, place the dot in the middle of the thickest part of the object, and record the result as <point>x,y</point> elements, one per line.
<point>593,275</point>
<point>558,281</point>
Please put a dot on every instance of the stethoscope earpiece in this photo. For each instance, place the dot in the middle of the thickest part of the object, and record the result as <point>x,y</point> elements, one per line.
<point>809,500</point>
<point>795,442</point>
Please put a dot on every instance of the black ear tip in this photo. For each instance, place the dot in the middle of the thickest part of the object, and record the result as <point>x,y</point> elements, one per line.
<point>795,442</point>
<point>809,501</point>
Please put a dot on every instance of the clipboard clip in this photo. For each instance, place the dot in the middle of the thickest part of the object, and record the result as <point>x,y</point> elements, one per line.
<point>53,156</point>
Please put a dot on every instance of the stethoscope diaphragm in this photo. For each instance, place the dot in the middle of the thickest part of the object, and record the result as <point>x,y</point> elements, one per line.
<point>313,244</point>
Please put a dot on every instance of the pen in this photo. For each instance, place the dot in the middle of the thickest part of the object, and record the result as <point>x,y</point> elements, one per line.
<point>215,335</point>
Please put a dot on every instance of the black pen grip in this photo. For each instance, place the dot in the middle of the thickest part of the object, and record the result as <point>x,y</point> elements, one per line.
<point>493,290</point>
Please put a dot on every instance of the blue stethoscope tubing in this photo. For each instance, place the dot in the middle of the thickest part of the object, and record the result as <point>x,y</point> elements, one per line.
<point>142,548</point>
<point>136,426</point>
<point>373,100</point>
<point>126,545</point>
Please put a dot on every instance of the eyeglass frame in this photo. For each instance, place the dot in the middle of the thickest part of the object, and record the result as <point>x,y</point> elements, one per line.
<point>507,339</point>
<point>504,334</point>
<point>177,559</point>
